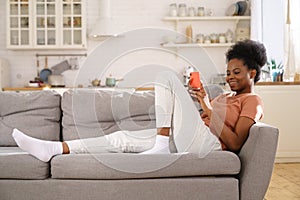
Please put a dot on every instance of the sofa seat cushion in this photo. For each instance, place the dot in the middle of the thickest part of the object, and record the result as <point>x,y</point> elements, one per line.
<point>128,166</point>
<point>17,164</point>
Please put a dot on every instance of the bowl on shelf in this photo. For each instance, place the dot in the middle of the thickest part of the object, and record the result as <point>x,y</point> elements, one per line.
<point>232,10</point>
<point>242,7</point>
<point>237,9</point>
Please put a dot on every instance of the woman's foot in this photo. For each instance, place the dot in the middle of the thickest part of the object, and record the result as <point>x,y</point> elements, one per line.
<point>41,149</point>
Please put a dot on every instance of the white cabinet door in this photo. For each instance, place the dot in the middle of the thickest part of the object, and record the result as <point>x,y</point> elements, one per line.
<point>46,24</point>
<point>19,24</point>
<point>282,109</point>
<point>73,27</point>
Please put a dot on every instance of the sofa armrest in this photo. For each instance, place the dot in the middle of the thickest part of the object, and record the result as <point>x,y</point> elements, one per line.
<point>257,160</point>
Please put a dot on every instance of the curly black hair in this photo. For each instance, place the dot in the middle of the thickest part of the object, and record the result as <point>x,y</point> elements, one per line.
<point>252,53</point>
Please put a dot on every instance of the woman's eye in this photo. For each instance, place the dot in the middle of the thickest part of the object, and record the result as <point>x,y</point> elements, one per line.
<point>236,72</point>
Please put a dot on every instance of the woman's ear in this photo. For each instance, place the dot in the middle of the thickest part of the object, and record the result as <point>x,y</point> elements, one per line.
<point>252,73</point>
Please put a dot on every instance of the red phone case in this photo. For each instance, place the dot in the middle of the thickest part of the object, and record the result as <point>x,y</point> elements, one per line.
<point>195,80</point>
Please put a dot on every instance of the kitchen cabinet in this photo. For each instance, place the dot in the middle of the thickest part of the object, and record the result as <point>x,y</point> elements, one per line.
<point>217,19</point>
<point>46,24</point>
<point>281,109</point>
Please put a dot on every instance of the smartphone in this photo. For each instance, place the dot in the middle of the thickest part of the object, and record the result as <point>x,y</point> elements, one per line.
<point>195,80</point>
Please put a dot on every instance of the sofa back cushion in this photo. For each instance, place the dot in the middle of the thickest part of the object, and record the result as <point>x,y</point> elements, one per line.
<point>36,113</point>
<point>93,113</point>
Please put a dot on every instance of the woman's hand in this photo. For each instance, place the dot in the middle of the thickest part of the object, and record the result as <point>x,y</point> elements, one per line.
<point>202,98</point>
<point>205,117</point>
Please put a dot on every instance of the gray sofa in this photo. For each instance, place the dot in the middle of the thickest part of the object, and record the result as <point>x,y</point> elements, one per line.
<point>90,113</point>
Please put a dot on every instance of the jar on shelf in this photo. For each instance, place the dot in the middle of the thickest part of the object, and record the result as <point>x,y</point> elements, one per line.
<point>222,38</point>
<point>207,40</point>
<point>182,10</point>
<point>173,10</point>
<point>229,36</point>
<point>297,77</point>
<point>201,11</point>
<point>200,38</point>
<point>191,11</point>
<point>214,38</point>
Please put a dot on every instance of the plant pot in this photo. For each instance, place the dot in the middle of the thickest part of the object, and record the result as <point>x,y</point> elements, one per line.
<point>277,76</point>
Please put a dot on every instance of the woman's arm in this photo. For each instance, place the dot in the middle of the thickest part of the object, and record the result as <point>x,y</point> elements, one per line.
<point>233,139</point>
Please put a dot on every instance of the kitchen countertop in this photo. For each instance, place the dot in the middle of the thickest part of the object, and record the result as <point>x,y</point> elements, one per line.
<point>278,83</point>
<point>21,88</point>
<point>139,89</point>
<point>66,88</point>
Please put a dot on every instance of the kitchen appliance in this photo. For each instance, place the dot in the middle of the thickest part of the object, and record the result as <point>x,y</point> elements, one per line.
<point>96,82</point>
<point>60,67</point>
<point>56,80</point>
<point>4,74</point>
<point>111,81</point>
<point>106,25</point>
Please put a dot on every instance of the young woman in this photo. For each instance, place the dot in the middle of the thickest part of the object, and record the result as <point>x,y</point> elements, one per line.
<point>224,124</point>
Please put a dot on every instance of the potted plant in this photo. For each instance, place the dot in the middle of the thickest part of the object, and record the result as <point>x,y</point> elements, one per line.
<point>276,70</point>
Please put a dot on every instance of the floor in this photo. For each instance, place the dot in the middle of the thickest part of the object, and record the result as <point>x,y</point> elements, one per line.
<point>285,182</point>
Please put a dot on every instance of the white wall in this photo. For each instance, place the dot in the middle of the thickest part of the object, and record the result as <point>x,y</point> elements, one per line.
<point>131,15</point>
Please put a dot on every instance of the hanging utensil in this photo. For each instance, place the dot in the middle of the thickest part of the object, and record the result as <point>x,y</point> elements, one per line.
<point>46,72</point>
<point>37,78</point>
<point>38,67</point>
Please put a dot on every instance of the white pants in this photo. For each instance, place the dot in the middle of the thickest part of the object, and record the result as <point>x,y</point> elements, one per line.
<point>119,141</point>
<point>174,108</point>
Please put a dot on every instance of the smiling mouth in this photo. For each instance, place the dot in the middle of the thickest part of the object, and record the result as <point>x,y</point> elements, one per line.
<point>232,83</point>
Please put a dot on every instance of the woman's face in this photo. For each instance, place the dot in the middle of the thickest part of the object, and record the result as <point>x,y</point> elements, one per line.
<point>239,77</point>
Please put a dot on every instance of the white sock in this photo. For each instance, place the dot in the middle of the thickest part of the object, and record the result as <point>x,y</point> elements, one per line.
<point>41,149</point>
<point>161,146</point>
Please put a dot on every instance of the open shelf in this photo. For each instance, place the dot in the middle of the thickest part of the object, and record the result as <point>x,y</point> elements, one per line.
<point>185,45</point>
<point>207,18</point>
